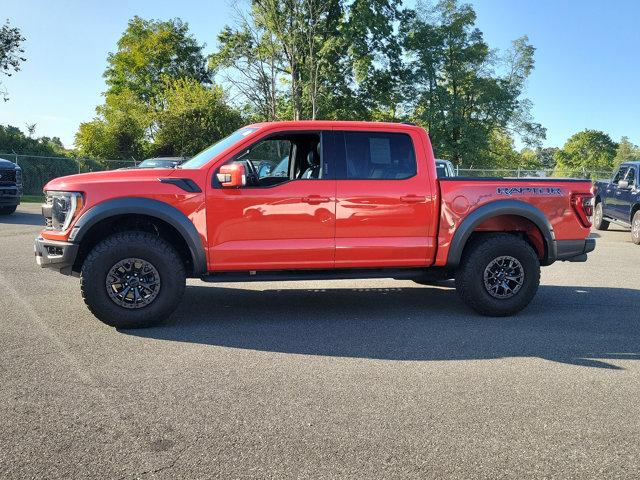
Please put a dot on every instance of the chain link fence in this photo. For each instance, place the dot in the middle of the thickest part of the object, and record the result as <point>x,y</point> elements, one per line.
<point>38,170</point>
<point>523,173</point>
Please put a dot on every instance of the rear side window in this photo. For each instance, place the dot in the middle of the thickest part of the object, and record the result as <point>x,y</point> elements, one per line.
<point>378,156</point>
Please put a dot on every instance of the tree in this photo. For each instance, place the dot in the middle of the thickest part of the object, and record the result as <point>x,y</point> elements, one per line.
<point>10,53</point>
<point>589,150</point>
<point>454,89</point>
<point>150,50</point>
<point>118,131</point>
<point>195,117</point>
<point>626,151</point>
<point>12,139</point>
<point>250,61</point>
<point>546,157</point>
<point>157,87</point>
<point>309,59</point>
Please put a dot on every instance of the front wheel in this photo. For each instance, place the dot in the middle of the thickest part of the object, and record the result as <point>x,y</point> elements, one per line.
<point>132,280</point>
<point>598,218</point>
<point>635,228</point>
<point>498,275</point>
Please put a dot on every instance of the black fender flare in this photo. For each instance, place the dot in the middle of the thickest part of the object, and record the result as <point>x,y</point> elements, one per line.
<point>495,209</point>
<point>152,208</point>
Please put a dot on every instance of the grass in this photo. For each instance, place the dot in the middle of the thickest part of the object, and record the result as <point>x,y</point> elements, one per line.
<point>32,199</point>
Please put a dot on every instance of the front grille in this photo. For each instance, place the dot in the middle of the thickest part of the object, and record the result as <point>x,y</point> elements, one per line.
<point>7,175</point>
<point>46,212</point>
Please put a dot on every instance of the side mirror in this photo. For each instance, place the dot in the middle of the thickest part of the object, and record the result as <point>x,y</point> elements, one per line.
<point>232,176</point>
<point>623,184</point>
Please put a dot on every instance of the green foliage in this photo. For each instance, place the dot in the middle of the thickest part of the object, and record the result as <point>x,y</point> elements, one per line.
<point>12,139</point>
<point>454,89</point>
<point>36,170</point>
<point>309,59</point>
<point>194,117</point>
<point>589,150</point>
<point>158,99</point>
<point>10,53</point>
<point>626,151</point>
<point>546,157</point>
<point>118,132</point>
<point>150,50</point>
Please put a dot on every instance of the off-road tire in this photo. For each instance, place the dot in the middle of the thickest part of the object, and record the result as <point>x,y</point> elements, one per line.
<point>598,220</point>
<point>8,210</point>
<point>477,256</point>
<point>145,246</point>
<point>635,228</point>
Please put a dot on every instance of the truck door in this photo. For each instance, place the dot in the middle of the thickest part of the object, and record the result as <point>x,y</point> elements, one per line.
<point>284,216</point>
<point>627,194</point>
<point>385,200</point>
<point>611,207</point>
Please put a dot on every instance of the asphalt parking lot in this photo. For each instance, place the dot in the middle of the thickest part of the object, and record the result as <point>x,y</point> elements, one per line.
<point>342,379</point>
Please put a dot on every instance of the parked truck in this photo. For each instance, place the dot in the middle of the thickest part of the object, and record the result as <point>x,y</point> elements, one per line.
<point>307,200</point>
<point>618,200</point>
<point>10,186</point>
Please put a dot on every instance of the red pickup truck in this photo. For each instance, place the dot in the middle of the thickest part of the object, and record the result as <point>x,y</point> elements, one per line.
<point>307,200</point>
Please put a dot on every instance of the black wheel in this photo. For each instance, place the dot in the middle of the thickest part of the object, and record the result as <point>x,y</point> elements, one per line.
<point>635,228</point>
<point>598,219</point>
<point>8,210</point>
<point>132,280</point>
<point>498,275</point>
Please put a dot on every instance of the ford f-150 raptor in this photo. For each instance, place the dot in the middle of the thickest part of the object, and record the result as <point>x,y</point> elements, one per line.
<point>307,200</point>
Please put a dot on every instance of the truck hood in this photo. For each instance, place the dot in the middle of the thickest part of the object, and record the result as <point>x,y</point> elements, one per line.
<point>79,182</point>
<point>7,163</point>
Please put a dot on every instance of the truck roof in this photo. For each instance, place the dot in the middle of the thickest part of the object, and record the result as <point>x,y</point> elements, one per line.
<point>317,124</point>
<point>631,162</point>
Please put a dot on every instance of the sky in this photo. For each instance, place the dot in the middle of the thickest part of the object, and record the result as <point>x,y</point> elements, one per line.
<point>587,72</point>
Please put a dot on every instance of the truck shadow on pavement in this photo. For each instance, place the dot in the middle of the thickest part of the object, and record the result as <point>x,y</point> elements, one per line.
<point>22,218</point>
<point>582,326</point>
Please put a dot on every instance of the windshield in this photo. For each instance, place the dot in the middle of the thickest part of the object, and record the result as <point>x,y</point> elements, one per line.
<point>217,148</point>
<point>156,163</point>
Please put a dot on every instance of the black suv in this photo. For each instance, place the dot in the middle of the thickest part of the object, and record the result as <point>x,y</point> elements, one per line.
<point>10,186</point>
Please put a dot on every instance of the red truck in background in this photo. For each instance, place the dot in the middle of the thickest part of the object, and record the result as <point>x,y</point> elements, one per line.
<point>307,200</point>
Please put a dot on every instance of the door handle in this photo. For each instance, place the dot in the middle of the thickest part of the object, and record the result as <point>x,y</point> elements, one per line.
<point>315,199</point>
<point>413,199</point>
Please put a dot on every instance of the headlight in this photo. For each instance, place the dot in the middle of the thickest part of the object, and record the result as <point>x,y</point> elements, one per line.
<point>18,176</point>
<point>64,206</point>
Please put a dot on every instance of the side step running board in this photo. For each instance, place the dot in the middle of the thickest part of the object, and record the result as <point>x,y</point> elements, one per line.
<point>336,274</point>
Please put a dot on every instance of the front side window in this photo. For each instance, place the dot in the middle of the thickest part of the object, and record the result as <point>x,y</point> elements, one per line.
<point>379,156</point>
<point>631,177</point>
<point>281,158</point>
<point>620,175</point>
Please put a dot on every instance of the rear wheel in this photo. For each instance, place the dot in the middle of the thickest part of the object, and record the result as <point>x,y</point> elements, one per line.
<point>635,228</point>
<point>8,210</point>
<point>132,280</point>
<point>499,274</point>
<point>598,218</point>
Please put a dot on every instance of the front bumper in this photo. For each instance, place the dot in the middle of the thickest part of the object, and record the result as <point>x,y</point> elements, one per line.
<point>574,250</point>
<point>55,254</point>
<point>9,196</point>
